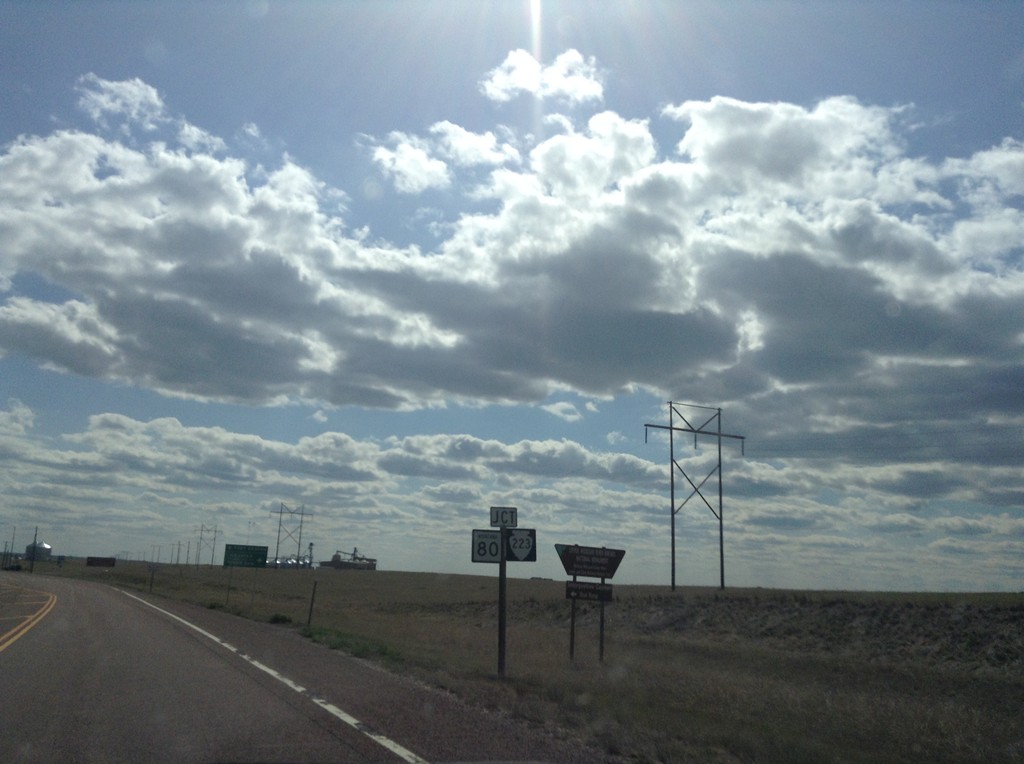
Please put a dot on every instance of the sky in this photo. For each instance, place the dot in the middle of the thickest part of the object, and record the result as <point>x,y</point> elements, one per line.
<point>391,263</point>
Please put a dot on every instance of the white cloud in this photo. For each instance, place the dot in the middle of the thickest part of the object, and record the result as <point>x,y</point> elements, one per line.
<point>131,100</point>
<point>570,77</point>
<point>410,166</point>
<point>196,139</point>
<point>833,149</point>
<point>610,151</point>
<point>795,263</point>
<point>468,149</point>
<point>17,420</point>
<point>769,255</point>
<point>564,410</point>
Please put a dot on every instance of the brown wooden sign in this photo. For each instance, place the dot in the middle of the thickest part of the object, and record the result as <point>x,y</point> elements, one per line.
<point>589,561</point>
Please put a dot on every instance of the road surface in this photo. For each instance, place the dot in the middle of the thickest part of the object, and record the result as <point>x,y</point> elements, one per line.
<point>93,673</point>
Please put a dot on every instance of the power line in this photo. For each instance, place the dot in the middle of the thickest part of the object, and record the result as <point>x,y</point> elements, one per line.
<point>674,465</point>
<point>293,532</point>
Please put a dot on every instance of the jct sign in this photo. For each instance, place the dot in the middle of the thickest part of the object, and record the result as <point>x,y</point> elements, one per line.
<point>504,517</point>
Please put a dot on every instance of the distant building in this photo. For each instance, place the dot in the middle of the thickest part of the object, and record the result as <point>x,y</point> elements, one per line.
<point>38,551</point>
<point>345,561</point>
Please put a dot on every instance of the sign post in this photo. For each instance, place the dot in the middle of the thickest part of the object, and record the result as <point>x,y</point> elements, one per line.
<point>502,603</point>
<point>243,556</point>
<point>508,543</point>
<point>589,562</point>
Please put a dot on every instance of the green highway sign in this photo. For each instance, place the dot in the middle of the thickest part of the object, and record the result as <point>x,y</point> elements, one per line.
<point>245,556</point>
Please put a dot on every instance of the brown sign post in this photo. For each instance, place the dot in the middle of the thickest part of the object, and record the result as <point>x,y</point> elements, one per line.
<point>589,562</point>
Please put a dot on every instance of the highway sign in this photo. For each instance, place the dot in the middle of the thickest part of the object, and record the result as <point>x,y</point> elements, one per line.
<point>588,590</point>
<point>589,561</point>
<point>504,517</point>
<point>486,546</point>
<point>520,545</point>
<point>244,556</point>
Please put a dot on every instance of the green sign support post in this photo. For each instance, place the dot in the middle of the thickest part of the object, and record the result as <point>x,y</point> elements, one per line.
<point>243,556</point>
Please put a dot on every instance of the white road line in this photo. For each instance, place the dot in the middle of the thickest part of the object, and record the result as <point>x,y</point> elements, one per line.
<point>403,753</point>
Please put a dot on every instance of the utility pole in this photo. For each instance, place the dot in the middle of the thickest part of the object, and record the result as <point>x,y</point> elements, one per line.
<point>204,529</point>
<point>35,551</point>
<point>702,429</point>
<point>292,532</point>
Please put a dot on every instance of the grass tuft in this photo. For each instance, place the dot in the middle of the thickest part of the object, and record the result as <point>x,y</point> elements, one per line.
<point>355,645</point>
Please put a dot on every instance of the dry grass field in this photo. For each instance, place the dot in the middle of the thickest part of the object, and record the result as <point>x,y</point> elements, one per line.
<point>698,675</point>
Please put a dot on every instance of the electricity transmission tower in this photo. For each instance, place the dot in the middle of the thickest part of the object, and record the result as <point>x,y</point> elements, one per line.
<point>212,543</point>
<point>674,466</point>
<point>292,531</point>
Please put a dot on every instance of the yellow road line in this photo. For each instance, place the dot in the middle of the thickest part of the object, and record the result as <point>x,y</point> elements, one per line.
<point>12,636</point>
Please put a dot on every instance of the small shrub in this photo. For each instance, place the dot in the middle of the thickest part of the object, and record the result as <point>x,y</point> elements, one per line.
<point>280,618</point>
<point>360,647</point>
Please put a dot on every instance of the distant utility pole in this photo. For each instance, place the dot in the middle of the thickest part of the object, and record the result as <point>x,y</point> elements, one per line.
<point>203,530</point>
<point>673,411</point>
<point>293,531</point>
<point>35,551</point>
<point>213,544</point>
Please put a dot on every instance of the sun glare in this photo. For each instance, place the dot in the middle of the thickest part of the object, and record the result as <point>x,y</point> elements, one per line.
<point>535,29</point>
<point>535,49</point>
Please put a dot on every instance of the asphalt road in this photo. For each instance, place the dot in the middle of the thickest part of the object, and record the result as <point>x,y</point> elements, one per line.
<point>91,673</point>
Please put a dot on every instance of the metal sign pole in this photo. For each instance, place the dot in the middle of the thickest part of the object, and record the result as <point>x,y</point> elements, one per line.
<point>227,597</point>
<point>495,546</point>
<point>502,603</point>
<point>572,628</point>
<point>312,599</point>
<point>671,488</point>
